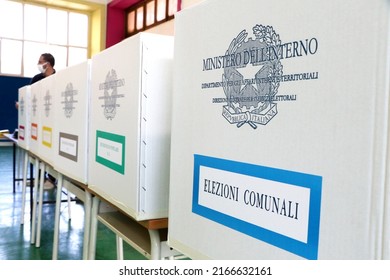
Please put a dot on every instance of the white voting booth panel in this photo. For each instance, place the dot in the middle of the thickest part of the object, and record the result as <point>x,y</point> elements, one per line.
<point>46,100</point>
<point>24,100</point>
<point>35,118</point>
<point>280,130</point>
<point>130,125</point>
<point>71,116</point>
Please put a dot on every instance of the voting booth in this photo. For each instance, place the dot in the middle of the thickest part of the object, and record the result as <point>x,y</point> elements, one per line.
<point>71,121</point>
<point>130,122</point>
<point>46,100</point>
<point>24,99</point>
<point>280,130</point>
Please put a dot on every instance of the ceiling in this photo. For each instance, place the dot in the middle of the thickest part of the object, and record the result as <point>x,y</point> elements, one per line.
<point>83,5</point>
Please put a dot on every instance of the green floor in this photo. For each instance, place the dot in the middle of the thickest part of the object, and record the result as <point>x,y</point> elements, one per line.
<point>15,238</point>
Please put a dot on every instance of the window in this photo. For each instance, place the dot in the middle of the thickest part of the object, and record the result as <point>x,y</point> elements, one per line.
<point>27,31</point>
<point>149,13</point>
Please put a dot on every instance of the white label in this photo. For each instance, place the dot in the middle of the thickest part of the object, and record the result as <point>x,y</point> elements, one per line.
<point>34,132</point>
<point>276,206</point>
<point>110,150</point>
<point>68,146</point>
<point>21,133</point>
<point>46,136</point>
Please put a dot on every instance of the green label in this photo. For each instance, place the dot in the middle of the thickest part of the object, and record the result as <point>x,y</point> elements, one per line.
<point>110,150</point>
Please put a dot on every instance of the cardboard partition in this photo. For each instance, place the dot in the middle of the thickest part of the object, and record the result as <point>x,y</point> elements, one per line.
<point>24,99</point>
<point>34,121</point>
<point>46,100</point>
<point>71,119</point>
<point>280,130</point>
<point>130,122</point>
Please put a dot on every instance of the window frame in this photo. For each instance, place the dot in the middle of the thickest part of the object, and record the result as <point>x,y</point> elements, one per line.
<point>46,42</point>
<point>144,3</point>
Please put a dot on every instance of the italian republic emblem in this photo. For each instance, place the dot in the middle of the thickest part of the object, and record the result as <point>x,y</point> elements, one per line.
<point>68,95</point>
<point>250,99</point>
<point>47,103</point>
<point>21,106</point>
<point>34,105</point>
<point>110,87</point>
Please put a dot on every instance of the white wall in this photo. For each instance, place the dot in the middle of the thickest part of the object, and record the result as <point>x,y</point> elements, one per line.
<point>168,27</point>
<point>99,1</point>
<point>188,3</point>
<point>184,3</point>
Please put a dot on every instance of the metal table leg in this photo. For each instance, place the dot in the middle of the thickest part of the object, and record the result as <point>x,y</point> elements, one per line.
<point>87,223</point>
<point>94,225</point>
<point>155,241</point>
<point>40,204</point>
<point>35,198</point>
<point>24,186</point>
<point>14,166</point>
<point>57,217</point>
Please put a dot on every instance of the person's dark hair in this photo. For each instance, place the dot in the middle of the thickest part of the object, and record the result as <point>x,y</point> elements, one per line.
<point>49,58</point>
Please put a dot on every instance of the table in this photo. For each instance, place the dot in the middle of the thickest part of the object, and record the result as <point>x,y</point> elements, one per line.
<point>148,237</point>
<point>80,190</point>
<point>38,201</point>
<point>10,137</point>
<point>14,141</point>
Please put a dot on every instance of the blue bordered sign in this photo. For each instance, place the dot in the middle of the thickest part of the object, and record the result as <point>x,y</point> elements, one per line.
<point>279,207</point>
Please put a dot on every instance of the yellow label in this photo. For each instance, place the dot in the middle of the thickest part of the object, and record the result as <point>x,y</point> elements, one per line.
<point>46,136</point>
